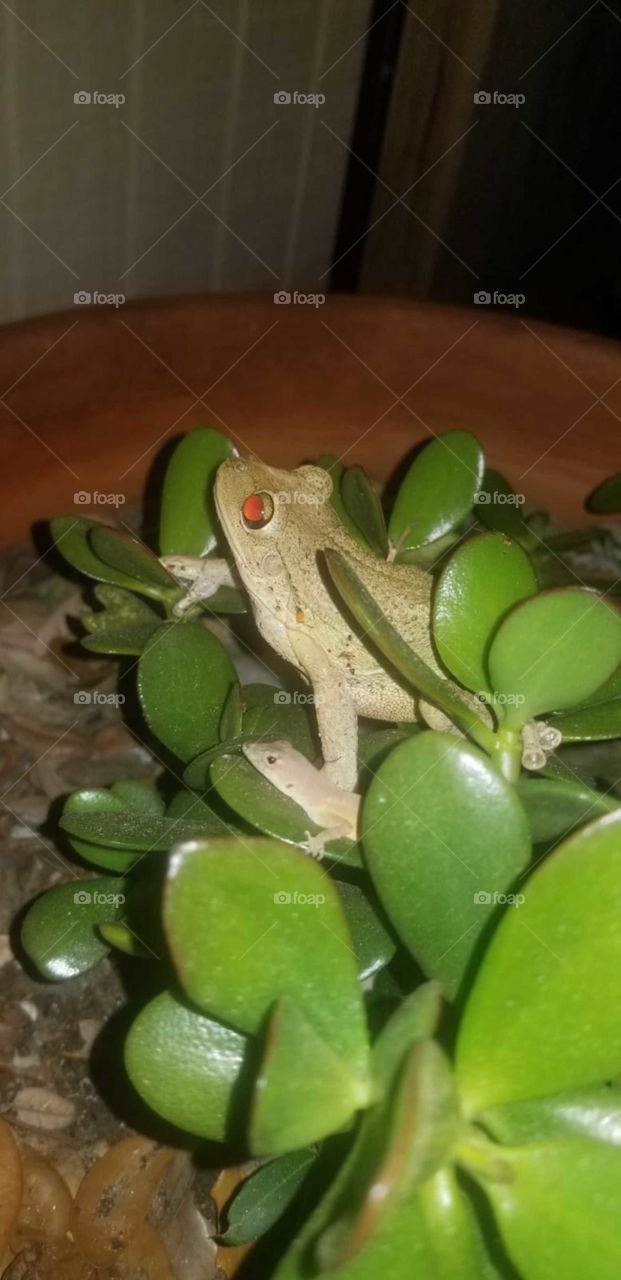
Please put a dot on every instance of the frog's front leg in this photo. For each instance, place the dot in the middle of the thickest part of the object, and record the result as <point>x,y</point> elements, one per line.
<point>202,575</point>
<point>337,718</point>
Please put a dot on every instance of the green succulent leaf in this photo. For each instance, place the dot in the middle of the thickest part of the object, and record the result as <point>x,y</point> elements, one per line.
<point>596,720</point>
<point>136,832</point>
<point>558,1211</point>
<point>400,655</point>
<point>499,507</point>
<point>606,498</point>
<point>373,944</point>
<point>337,470</point>
<point>122,626</point>
<point>438,491</point>
<point>188,522</point>
<point>555,806</point>
<point>484,578</point>
<point>60,930</point>
<point>582,1113</point>
<point>416,1017</point>
<point>184,678</point>
<point>131,798</point>
<point>420,1126</point>
<point>71,536</point>
<point>292,1108</point>
<point>454,1235</point>
<point>249,924</point>
<point>443,835</point>
<point>264,1196</point>
<point>186,1066</point>
<point>127,555</point>
<point>363,505</point>
<point>542,1015</point>
<point>274,715</point>
<point>553,651</point>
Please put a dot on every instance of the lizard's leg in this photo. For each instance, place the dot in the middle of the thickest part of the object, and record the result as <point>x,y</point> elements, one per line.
<point>202,575</point>
<point>316,845</point>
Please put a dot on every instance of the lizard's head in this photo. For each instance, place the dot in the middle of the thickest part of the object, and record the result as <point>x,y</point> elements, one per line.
<point>267,757</point>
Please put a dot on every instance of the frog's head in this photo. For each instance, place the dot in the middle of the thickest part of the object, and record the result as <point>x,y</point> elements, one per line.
<point>267,513</point>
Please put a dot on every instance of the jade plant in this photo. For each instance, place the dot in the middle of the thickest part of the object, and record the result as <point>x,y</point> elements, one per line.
<point>418,1038</point>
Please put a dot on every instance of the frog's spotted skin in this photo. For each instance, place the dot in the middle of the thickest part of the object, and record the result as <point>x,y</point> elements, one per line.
<point>278,558</point>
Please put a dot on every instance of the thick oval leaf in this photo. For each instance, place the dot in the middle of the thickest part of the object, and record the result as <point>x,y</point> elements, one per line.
<point>555,806</point>
<point>593,724</point>
<point>184,677</point>
<point>444,838</point>
<point>420,1126</point>
<point>416,1017</point>
<point>361,501</point>
<point>253,798</point>
<point>129,798</point>
<point>263,1197</point>
<point>559,1212</point>
<point>398,1251</point>
<point>185,1066</point>
<point>543,1014</point>
<point>71,536</point>
<point>606,498</point>
<point>499,507</point>
<point>123,625</point>
<point>292,1108</point>
<point>373,944</point>
<point>337,470</point>
<point>127,555</point>
<point>139,832</point>
<point>598,718</point>
<point>59,933</point>
<point>454,1235</point>
<point>252,923</point>
<point>554,651</point>
<point>484,578</point>
<point>188,523</point>
<point>583,1113</point>
<point>277,715</point>
<point>438,491</point>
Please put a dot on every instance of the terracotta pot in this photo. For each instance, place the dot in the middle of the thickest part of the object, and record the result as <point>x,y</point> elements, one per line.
<point>91,396</point>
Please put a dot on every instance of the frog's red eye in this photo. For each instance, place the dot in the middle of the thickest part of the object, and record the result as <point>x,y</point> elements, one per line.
<point>257,510</point>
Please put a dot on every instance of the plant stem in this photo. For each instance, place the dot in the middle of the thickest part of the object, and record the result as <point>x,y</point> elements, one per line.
<point>508,754</point>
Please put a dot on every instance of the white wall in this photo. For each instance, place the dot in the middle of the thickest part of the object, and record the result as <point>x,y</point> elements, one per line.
<point>96,197</point>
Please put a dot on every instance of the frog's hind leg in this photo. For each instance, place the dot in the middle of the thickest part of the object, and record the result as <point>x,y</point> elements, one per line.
<point>337,721</point>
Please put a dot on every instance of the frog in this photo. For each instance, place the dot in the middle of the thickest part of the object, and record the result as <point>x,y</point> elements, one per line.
<point>333,810</point>
<point>277,524</point>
